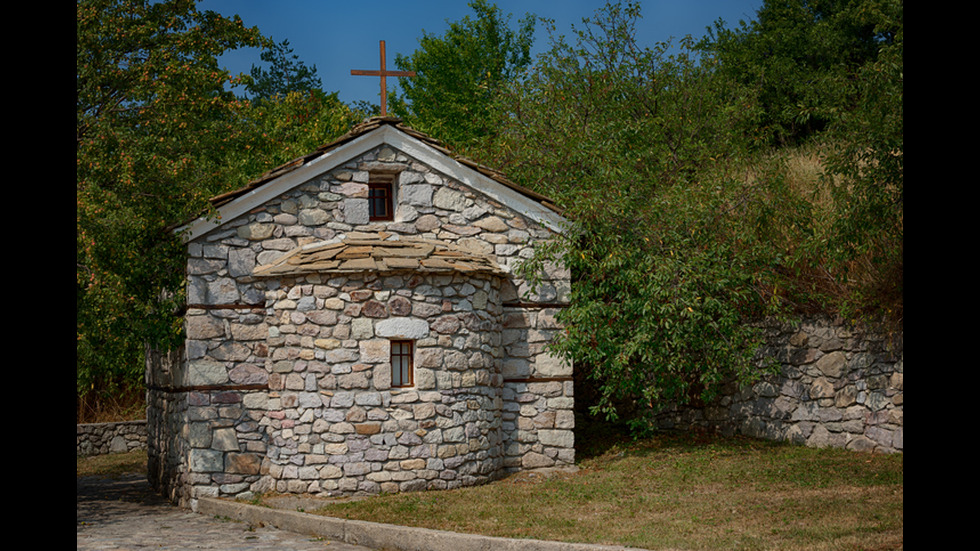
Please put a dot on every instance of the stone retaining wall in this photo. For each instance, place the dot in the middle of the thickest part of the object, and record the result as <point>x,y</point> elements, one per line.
<point>106,438</point>
<point>837,386</point>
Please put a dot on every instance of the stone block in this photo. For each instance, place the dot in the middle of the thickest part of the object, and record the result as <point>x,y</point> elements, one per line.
<point>204,327</point>
<point>205,461</point>
<point>832,365</point>
<point>557,438</point>
<point>516,368</point>
<point>248,374</point>
<point>402,328</point>
<point>206,372</point>
<point>356,211</point>
<point>492,224</point>
<point>357,468</point>
<point>353,381</point>
<point>374,351</point>
<point>533,460</point>
<point>429,357</point>
<point>310,400</point>
<point>419,195</point>
<point>367,428</point>
<point>313,217</point>
<point>449,199</point>
<point>362,328</point>
<point>381,378</point>
<point>256,232</point>
<point>224,439</point>
<point>368,399</point>
<point>424,410</point>
<point>821,388</point>
<point>243,463</point>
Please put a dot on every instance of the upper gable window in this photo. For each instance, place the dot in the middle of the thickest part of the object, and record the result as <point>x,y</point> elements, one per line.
<point>381,193</point>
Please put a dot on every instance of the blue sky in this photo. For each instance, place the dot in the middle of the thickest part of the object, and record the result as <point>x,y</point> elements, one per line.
<point>339,35</point>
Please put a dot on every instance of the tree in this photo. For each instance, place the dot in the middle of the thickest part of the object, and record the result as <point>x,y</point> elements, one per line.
<point>285,126</point>
<point>667,252</point>
<point>459,74</point>
<point>286,73</point>
<point>673,253</point>
<point>829,72</point>
<point>866,175</point>
<point>799,58</point>
<point>151,111</point>
<point>158,134</point>
<point>150,99</point>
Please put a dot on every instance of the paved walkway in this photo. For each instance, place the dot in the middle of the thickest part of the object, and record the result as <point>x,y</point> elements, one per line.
<point>125,514</point>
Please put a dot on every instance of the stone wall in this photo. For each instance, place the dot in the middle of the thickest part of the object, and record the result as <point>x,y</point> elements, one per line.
<point>166,418</point>
<point>336,424</point>
<point>106,438</point>
<point>538,410</point>
<point>284,387</point>
<point>837,386</point>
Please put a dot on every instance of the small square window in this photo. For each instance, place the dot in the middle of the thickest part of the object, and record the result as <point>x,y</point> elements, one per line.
<point>380,197</point>
<point>402,363</point>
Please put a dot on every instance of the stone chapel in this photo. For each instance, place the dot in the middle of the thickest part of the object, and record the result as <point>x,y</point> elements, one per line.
<point>355,324</point>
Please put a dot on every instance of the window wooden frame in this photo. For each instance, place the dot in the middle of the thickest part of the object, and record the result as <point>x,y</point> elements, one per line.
<point>402,363</point>
<point>381,197</point>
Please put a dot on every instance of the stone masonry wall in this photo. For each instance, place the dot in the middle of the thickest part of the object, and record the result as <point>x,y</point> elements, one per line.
<point>243,431</point>
<point>837,387</point>
<point>166,421</point>
<point>106,438</point>
<point>335,423</point>
<point>538,415</point>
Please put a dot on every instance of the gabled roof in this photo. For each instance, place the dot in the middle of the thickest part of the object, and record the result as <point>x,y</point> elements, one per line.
<point>380,252</point>
<point>361,139</point>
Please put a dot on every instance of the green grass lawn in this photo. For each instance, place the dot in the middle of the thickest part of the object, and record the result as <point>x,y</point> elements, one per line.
<point>677,491</point>
<point>669,492</point>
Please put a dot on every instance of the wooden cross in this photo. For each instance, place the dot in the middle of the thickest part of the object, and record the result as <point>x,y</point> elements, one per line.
<point>384,83</point>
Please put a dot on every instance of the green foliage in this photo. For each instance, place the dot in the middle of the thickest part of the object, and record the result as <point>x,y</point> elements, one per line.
<point>158,134</point>
<point>286,73</point>
<point>459,74</point>
<point>865,240</point>
<point>831,72</point>
<point>275,130</point>
<point>685,229</point>
<point>666,267</point>
<point>150,98</point>
<point>799,58</point>
<point>605,104</point>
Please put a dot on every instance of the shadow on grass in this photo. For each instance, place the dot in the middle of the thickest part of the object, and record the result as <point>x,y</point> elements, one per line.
<point>595,438</point>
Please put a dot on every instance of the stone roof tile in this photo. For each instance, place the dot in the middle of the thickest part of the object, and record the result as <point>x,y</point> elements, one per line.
<point>379,254</point>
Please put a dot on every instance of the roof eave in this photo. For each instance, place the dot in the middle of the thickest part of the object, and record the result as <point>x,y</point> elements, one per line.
<point>330,156</point>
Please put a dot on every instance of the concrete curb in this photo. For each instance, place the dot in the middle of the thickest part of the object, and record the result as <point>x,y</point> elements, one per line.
<point>380,536</point>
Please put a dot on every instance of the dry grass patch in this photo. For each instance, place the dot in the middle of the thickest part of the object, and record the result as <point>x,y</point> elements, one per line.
<point>670,492</point>
<point>111,465</point>
<point>127,404</point>
<point>676,492</point>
